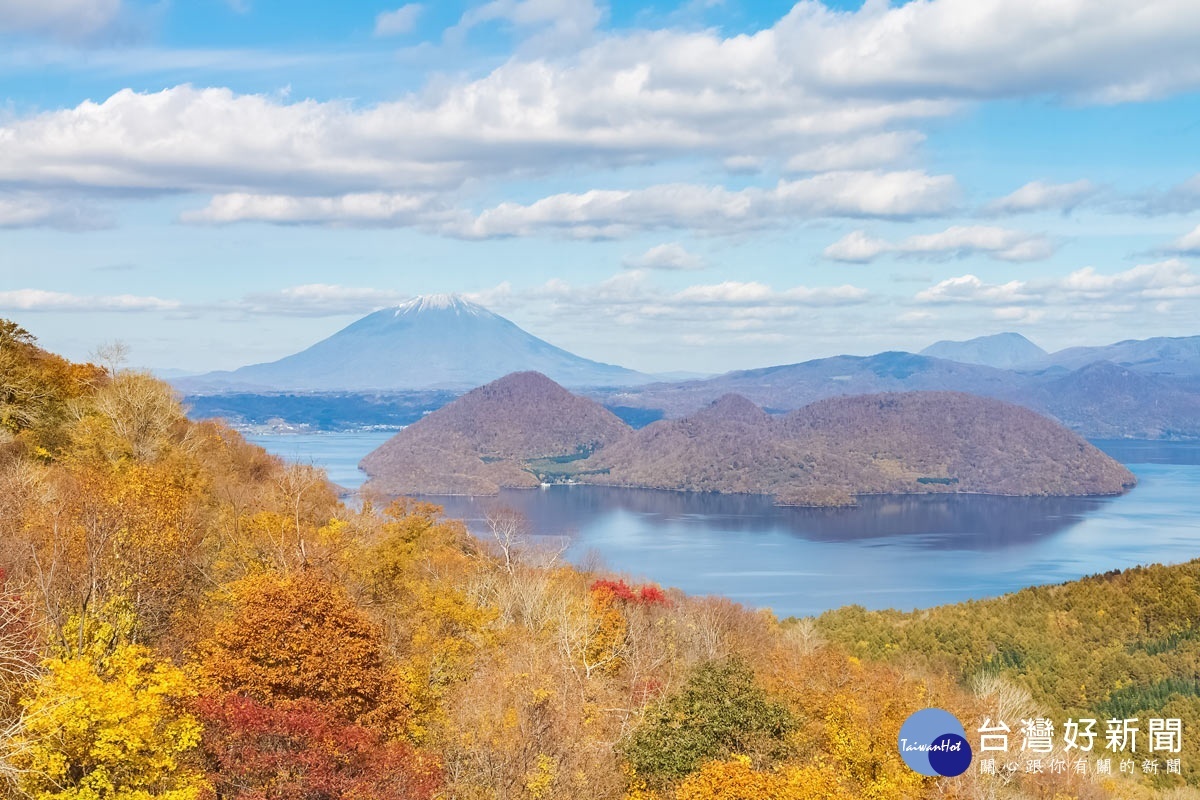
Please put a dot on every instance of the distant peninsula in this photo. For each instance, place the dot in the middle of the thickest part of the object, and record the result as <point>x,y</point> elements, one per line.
<point>524,430</point>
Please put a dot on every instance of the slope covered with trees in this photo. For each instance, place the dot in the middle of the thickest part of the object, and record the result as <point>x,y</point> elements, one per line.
<point>524,429</point>
<point>485,439</point>
<point>825,453</point>
<point>1118,645</point>
<point>184,617</point>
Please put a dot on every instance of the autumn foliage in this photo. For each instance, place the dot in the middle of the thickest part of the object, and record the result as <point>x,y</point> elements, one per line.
<point>299,637</point>
<point>620,590</point>
<point>184,617</point>
<point>118,728</point>
<point>303,749</point>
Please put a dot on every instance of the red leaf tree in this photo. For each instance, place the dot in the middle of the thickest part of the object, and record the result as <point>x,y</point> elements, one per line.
<point>303,750</point>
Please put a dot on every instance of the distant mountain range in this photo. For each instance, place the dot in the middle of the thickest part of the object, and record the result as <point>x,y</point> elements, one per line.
<point>418,355</point>
<point>524,429</point>
<point>1163,356</point>
<point>1100,400</point>
<point>432,342</point>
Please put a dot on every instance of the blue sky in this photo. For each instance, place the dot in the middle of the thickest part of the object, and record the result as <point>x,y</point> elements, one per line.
<point>697,186</point>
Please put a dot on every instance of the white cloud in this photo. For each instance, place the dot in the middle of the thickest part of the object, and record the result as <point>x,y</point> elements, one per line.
<point>1042,196</point>
<point>1181,199</point>
<point>630,298</point>
<point>858,247</point>
<point>1164,280</point>
<point>970,289</point>
<point>1104,51</point>
<point>369,209</point>
<point>713,209</point>
<point>398,22</point>
<point>820,90</point>
<point>1018,315</point>
<point>71,20</point>
<point>736,293</point>
<point>29,210</point>
<point>1188,244</point>
<point>525,118</point>
<point>959,241</point>
<point>138,59</point>
<point>320,300</point>
<point>671,256</point>
<point>1145,283</point>
<point>186,139</point>
<point>561,23</point>
<point>627,298</point>
<point>42,300</point>
<point>612,214</point>
<point>820,87</point>
<point>865,152</point>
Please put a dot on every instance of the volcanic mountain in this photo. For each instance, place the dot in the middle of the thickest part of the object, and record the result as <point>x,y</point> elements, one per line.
<point>432,342</point>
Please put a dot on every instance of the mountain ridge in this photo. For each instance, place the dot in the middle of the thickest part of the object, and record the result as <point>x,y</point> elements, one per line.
<point>1169,356</point>
<point>445,344</point>
<point>1133,404</point>
<point>524,429</point>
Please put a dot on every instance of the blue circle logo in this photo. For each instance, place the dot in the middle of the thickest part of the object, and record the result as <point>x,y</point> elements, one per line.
<point>933,742</point>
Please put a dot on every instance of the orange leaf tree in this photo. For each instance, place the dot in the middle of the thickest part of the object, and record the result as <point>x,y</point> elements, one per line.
<point>293,637</point>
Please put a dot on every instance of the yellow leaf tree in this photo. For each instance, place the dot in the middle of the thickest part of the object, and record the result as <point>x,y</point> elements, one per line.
<point>116,730</point>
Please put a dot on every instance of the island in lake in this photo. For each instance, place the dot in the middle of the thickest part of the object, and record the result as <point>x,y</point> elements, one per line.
<point>524,430</point>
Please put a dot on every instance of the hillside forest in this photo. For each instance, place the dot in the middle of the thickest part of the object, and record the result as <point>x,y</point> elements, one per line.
<point>183,617</point>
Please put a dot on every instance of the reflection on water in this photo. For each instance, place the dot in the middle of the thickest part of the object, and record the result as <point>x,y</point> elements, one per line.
<point>889,552</point>
<point>969,522</point>
<point>901,552</point>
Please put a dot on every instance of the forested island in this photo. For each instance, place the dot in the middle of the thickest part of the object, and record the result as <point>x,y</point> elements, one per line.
<point>524,429</point>
<point>185,617</point>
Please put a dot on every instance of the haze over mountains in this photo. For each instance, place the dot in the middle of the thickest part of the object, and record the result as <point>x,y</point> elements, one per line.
<point>1003,350</point>
<point>1149,392</point>
<point>1168,356</point>
<point>442,344</point>
<point>1176,356</point>
<point>431,342</point>
<point>524,429</point>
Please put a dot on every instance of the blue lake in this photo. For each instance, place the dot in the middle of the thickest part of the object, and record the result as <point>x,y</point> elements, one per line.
<point>889,552</point>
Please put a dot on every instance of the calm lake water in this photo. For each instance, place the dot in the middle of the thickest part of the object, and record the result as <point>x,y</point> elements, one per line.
<point>889,552</point>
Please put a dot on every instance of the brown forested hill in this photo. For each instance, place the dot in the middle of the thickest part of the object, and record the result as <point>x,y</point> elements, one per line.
<point>829,451</point>
<point>985,445</point>
<point>482,441</point>
<point>525,428</point>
